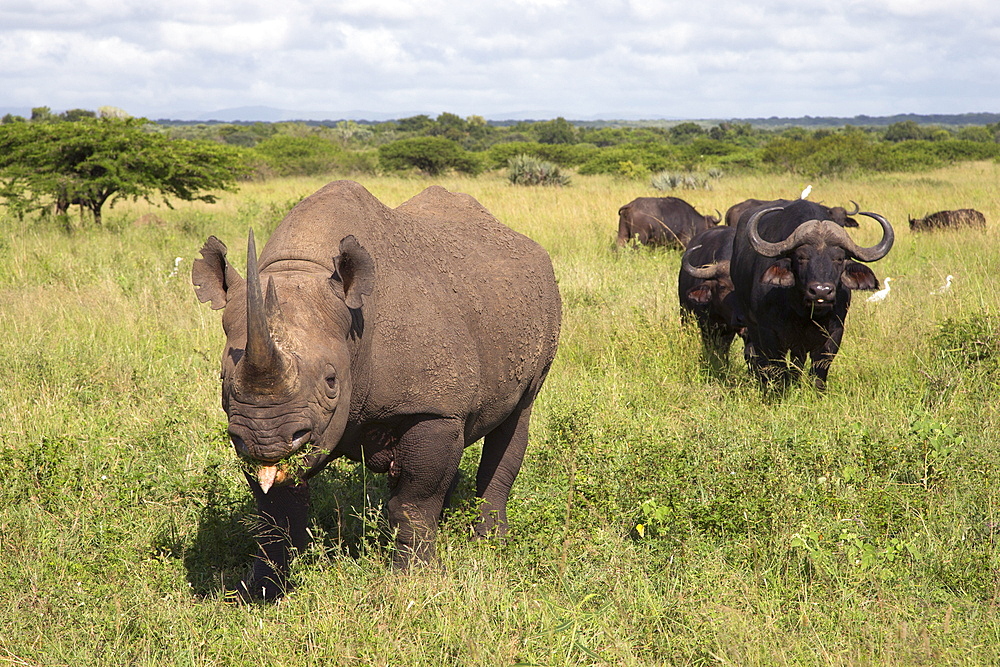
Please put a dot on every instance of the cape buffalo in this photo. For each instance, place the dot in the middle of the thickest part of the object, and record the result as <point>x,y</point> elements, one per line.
<point>793,269</point>
<point>395,337</point>
<point>963,217</point>
<point>661,221</point>
<point>705,290</point>
<point>838,214</point>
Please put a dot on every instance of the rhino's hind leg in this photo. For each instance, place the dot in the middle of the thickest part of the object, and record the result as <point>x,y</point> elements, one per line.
<point>503,451</point>
<point>425,463</point>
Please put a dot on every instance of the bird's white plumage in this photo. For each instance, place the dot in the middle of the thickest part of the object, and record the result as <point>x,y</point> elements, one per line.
<point>944,288</point>
<point>881,294</point>
<point>806,191</point>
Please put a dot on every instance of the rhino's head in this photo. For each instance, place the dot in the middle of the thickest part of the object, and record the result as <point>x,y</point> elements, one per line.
<point>286,367</point>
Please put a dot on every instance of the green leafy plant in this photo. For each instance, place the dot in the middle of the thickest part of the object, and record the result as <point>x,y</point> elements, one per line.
<point>431,155</point>
<point>938,441</point>
<point>91,162</point>
<point>666,180</point>
<point>527,170</point>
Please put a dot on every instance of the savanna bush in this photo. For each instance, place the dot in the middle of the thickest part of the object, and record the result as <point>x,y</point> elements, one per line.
<point>651,158</point>
<point>970,340</point>
<point>666,180</point>
<point>430,155</point>
<point>286,155</point>
<point>526,170</point>
<point>564,155</point>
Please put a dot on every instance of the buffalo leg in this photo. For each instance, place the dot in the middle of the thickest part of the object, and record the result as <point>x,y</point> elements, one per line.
<point>823,357</point>
<point>424,465</point>
<point>503,451</point>
<point>715,349</point>
<point>283,513</point>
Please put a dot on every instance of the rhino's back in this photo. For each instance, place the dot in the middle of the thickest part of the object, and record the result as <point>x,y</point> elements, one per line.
<point>466,312</point>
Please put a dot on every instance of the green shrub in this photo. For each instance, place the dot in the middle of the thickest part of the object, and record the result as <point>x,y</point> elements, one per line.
<point>431,155</point>
<point>615,159</point>
<point>526,170</point>
<point>565,155</point>
<point>285,155</point>
<point>665,180</point>
<point>969,341</point>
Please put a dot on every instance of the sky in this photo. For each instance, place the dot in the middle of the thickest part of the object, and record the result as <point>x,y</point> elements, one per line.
<point>539,59</point>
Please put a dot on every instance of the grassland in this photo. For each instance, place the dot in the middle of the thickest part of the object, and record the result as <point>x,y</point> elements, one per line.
<point>661,517</point>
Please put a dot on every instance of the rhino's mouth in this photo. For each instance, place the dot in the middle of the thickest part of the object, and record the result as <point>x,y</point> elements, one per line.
<point>290,470</point>
<point>269,475</point>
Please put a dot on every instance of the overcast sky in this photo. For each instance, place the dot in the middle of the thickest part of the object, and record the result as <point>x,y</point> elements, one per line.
<point>530,58</point>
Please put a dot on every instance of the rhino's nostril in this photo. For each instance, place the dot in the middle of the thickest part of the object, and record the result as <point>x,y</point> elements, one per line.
<point>238,443</point>
<point>301,437</point>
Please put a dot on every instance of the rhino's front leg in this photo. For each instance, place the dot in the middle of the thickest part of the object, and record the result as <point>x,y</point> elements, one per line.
<point>282,514</point>
<point>424,463</point>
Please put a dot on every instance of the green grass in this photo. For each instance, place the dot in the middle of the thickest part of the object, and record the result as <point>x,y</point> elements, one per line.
<point>856,527</point>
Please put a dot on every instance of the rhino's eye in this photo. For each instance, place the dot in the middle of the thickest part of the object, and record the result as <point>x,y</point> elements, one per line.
<point>331,384</point>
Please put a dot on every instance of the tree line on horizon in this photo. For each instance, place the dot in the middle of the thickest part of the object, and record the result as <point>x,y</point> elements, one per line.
<point>91,158</point>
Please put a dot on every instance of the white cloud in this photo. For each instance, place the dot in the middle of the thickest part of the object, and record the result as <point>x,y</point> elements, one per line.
<point>726,59</point>
<point>240,37</point>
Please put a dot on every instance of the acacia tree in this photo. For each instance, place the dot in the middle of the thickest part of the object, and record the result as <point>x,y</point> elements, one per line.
<point>96,161</point>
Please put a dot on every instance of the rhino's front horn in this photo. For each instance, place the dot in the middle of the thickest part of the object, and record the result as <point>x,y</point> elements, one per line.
<point>262,354</point>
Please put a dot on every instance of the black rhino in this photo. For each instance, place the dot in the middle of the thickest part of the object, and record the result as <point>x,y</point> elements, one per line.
<point>395,337</point>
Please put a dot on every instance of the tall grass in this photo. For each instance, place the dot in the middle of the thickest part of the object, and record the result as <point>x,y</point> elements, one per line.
<point>661,517</point>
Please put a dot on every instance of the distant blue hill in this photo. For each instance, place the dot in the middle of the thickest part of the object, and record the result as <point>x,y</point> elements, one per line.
<point>267,114</point>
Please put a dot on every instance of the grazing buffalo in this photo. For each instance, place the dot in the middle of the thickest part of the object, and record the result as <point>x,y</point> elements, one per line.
<point>395,337</point>
<point>705,290</point>
<point>793,269</point>
<point>661,221</point>
<point>838,214</point>
<point>963,217</point>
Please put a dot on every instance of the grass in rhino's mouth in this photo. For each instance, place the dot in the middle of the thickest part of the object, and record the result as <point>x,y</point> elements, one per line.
<point>290,466</point>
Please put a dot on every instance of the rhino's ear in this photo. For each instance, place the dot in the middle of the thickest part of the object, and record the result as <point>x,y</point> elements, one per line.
<point>212,275</point>
<point>355,272</point>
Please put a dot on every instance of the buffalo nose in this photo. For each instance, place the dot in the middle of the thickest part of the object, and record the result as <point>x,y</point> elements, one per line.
<point>820,291</point>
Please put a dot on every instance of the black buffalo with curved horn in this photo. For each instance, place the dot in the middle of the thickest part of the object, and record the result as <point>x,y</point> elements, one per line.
<point>661,221</point>
<point>705,290</point>
<point>793,269</point>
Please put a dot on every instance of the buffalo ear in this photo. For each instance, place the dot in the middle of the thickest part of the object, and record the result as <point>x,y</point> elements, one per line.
<point>213,276</point>
<point>780,274</point>
<point>355,272</point>
<point>858,276</point>
<point>701,294</point>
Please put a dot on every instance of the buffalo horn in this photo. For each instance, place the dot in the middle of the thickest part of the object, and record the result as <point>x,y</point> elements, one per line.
<point>813,231</point>
<point>877,251</point>
<point>856,209</point>
<point>706,272</point>
<point>762,247</point>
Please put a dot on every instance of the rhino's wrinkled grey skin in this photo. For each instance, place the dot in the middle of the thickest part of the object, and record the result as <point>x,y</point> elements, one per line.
<point>395,337</point>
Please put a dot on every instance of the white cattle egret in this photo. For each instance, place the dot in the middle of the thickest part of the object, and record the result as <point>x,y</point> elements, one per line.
<point>947,285</point>
<point>177,263</point>
<point>881,294</point>
<point>805,193</point>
